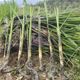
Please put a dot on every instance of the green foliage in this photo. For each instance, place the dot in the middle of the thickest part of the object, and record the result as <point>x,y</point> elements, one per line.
<point>5,9</point>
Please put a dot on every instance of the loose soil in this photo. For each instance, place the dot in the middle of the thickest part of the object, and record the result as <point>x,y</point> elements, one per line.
<point>15,75</point>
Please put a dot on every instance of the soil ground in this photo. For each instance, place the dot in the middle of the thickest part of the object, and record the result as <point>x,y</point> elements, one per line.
<point>14,74</point>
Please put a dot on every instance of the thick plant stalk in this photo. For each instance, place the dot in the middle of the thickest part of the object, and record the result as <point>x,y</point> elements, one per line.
<point>10,34</point>
<point>20,47</point>
<point>30,36</point>
<point>52,67</point>
<point>39,39</point>
<point>21,37</point>
<point>11,29</point>
<point>50,44</point>
<point>10,37</point>
<point>59,44</point>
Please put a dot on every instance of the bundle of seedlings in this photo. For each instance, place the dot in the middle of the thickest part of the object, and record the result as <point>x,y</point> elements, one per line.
<point>57,36</point>
<point>69,27</point>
